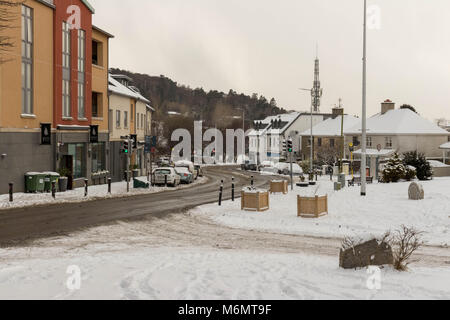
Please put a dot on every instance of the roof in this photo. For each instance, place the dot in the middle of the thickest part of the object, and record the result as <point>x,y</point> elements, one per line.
<point>445,146</point>
<point>399,122</point>
<point>88,5</point>
<point>332,127</point>
<point>287,119</point>
<point>376,153</point>
<point>109,35</point>
<point>118,88</point>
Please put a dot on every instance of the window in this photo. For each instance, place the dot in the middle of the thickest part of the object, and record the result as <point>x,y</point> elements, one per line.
<point>95,109</point>
<point>319,142</point>
<point>66,71</point>
<point>137,122</point>
<point>27,60</point>
<point>388,142</point>
<point>125,119</point>
<point>369,142</point>
<point>98,157</point>
<point>81,74</point>
<point>332,143</point>
<point>94,52</point>
<point>117,118</point>
<point>78,152</point>
<point>142,121</point>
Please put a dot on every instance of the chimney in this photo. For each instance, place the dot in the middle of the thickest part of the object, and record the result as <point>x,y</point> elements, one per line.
<point>387,106</point>
<point>337,112</point>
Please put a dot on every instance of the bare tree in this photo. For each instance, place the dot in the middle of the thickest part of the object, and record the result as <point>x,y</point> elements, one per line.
<point>405,241</point>
<point>8,15</point>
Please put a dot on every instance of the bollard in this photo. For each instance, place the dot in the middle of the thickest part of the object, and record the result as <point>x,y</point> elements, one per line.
<point>232,189</point>
<point>86,181</point>
<point>109,185</point>
<point>252,181</point>
<point>11,186</point>
<point>220,193</point>
<point>54,189</point>
<point>165,180</point>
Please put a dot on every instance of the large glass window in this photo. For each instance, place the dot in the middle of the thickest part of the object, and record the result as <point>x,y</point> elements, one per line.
<point>81,73</point>
<point>66,71</point>
<point>27,60</point>
<point>78,152</point>
<point>98,157</point>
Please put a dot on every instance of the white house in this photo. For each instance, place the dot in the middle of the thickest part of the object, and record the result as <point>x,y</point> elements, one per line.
<point>266,143</point>
<point>399,130</point>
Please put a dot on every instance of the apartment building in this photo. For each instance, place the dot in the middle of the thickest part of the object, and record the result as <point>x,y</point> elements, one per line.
<point>130,113</point>
<point>48,119</point>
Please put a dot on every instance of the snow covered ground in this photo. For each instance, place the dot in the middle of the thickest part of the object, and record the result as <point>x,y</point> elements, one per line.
<point>118,189</point>
<point>386,207</point>
<point>187,273</point>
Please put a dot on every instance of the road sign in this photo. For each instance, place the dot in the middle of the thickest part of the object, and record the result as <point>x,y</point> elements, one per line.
<point>46,134</point>
<point>93,134</point>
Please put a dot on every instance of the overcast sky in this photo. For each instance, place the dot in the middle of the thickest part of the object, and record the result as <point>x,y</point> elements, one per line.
<point>269,47</point>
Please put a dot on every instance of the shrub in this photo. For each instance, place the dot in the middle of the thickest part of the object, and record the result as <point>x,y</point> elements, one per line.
<point>410,173</point>
<point>405,242</point>
<point>418,160</point>
<point>394,169</point>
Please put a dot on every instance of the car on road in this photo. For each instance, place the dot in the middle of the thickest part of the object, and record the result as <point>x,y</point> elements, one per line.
<point>285,168</point>
<point>159,177</point>
<point>249,166</point>
<point>185,175</point>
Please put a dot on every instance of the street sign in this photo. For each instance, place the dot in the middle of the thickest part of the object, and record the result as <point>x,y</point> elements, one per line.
<point>93,134</point>
<point>46,134</point>
<point>134,142</point>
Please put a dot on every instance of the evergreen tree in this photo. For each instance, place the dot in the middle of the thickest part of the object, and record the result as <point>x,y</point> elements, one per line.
<point>394,169</point>
<point>418,160</point>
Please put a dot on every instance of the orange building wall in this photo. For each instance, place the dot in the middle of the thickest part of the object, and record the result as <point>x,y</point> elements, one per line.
<point>10,73</point>
<point>100,81</point>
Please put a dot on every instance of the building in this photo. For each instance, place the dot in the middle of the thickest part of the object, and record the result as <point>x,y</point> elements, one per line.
<point>399,130</point>
<point>46,88</point>
<point>327,137</point>
<point>130,114</point>
<point>277,129</point>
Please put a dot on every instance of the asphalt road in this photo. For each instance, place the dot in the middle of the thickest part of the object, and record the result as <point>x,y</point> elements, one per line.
<point>18,225</point>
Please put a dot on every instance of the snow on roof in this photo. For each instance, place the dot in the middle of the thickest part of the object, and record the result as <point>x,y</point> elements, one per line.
<point>398,122</point>
<point>332,127</point>
<point>116,87</point>
<point>437,164</point>
<point>375,152</point>
<point>445,146</point>
<point>286,119</point>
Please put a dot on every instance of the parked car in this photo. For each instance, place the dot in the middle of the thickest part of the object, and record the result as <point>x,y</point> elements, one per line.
<point>285,168</point>
<point>159,177</point>
<point>185,164</point>
<point>164,162</point>
<point>185,176</point>
<point>199,170</point>
<point>249,166</point>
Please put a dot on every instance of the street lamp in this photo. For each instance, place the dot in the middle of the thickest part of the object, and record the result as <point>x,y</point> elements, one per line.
<point>364,118</point>
<point>311,161</point>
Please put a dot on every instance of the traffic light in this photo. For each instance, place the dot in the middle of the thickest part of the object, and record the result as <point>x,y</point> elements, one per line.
<point>284,146</point>
<point>126,146</point>
<point>133,137</point>
<point>290,146</point>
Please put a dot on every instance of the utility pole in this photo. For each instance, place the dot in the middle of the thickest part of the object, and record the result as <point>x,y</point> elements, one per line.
<point>341,166</point>
<point>364,116</point>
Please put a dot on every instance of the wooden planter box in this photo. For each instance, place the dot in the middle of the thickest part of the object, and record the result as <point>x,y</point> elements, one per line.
<point>255,201</point>
<point>312,207</point>
<point>279,187</point>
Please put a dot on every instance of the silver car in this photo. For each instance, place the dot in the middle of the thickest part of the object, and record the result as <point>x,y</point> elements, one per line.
<point>159,177</point>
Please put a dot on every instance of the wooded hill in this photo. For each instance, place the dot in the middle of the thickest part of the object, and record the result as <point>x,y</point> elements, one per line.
<point>215,108</point>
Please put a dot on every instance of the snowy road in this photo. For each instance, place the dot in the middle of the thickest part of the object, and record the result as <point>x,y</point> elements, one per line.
<point>41,221</point>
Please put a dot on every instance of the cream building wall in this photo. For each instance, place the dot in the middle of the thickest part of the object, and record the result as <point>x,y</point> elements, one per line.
<point>122,104</point>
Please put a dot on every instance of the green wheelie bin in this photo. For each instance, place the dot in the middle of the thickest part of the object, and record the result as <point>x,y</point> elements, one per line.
<point>31,182</point>
<point>49,178</point>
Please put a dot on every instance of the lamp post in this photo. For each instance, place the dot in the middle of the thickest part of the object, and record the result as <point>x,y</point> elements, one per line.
<point>311,161</point>
<point>364,117</point>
